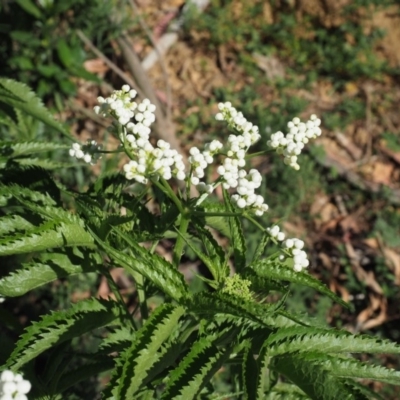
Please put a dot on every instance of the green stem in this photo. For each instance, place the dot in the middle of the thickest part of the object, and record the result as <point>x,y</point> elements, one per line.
<point>180,242</point>
<point>118,296</point>
<point>165,188</point>
<point>216,214</point>
<point>139,280</point>
<point>259,153</point>
<point>254,222</point>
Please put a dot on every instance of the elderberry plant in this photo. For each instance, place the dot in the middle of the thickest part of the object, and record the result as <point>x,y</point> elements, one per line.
<point>237,322</point>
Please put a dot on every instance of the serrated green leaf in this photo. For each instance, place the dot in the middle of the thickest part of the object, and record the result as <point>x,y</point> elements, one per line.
<point>213,303</point>
<point>304,339</point>
<point>219,223</point>
<point>195,370</point>
<point>274,270</point>
<point>43,163</point>
<point>12,223</point>
<point>351,368</point>
<point>47,236</point>
<point>159,271</point>
<point>119,339</point>
<point>249,374</point>
<point>12,149</point>
<point>36,274</point>
<point>60,326</point>
<point>238,242</point>
<point>215,259</point>
<point>20,96</point>
<point>85,372</point>
<point>21,192</point>
<point>259,251</point>
<point>144,352</point>
<point>313,380</point>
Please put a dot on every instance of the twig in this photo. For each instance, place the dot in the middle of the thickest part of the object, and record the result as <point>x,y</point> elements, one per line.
<point>163,128</point>
<point>168,39</point>
<point>108,62</point>
<point>146,29</point>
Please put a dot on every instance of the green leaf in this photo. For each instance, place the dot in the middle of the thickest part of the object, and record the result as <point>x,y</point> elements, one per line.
<point>59,326</point>
<point>274,270</point>
<point>118,340</point>
<point>36,274</point>
<point>249,374</point>
<point>219,223</point>
<point>316,382</point>
<point>215,259</point>
<point>145,349</point>
<point>64,53</point>
<point>352,368</point>
<point>85,372</point>
<point>47,236</point>
<point>43,163</point>
<point>30,8</point>
<point>238,242</point>
<point>14,222</point>
<point>159,271</point>
<point>195,370</point>
<point>304,339</point>
<point>20,96</point>
<point>261,247</point>
<point>213,303</point>
<point>12,149</point>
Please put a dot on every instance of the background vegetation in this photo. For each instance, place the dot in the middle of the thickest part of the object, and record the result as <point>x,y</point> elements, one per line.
<point>273,60</point>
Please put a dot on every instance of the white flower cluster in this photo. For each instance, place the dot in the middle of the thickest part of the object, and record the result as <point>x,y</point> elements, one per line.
<point>87,152</point>
<point>276,233</point>
<point>245,197</point>
<point>136,118</point>
<point>13,386</point>
<point>199,161</point>
<point>236,148</point>
<point>2,299</point>
<point>294,247</point>
<point>119,105</point>
<point>160,161</point>
<point>291,145</point>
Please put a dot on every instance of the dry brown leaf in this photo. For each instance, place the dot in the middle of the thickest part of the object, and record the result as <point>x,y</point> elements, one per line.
<point>96,66</point>
<point>382,172</point>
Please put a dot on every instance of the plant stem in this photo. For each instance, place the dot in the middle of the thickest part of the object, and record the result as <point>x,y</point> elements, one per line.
<point>180,242</point>
<point>144,312</point>
<point>165,188</point>
<point>118,296</point>
<point>216,214</point>
<point>254,222</point>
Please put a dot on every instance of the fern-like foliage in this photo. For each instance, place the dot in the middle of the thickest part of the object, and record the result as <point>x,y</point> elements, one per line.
<point>173,339</point>
<point>60,326</point>
<point>20,97</point>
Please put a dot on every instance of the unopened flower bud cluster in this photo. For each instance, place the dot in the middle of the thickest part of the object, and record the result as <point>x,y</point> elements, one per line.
<point>294,248</point>
<point>276,233</point>
<point>236,286</point>
<point>231,171</point>
<point>291,145</point>
<point>87,152</point>
<point>13,386</point>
